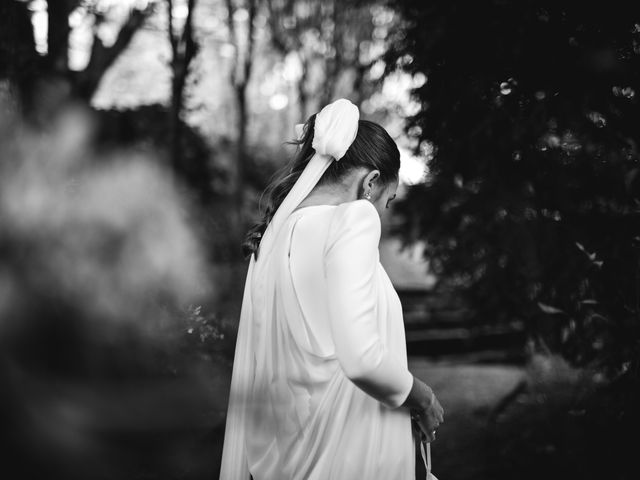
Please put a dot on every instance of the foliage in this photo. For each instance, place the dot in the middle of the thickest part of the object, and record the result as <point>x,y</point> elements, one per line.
<point>557,427</point>
<point>88,240</point>
<point>51,60</point>
<point>196,332</point>
<point>98,257</point>
<point>343,40</point>
<point>147,127</point>
<point>531,209</point>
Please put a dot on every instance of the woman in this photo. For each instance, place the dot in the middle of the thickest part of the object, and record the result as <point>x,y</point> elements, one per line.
<point>320,386</point>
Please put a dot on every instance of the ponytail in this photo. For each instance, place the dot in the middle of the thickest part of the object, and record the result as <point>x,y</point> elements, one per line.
<point>372,148</point>
<point>280,186</point>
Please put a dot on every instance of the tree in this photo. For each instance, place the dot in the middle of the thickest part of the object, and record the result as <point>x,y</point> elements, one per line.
<point>102,57</point>
<point>31,69</point>
<point>289,22</point>
<point>18,58</point>
<point>343,39</point>
<point>531,210</point>
<point>243,42</point>
<point>183,49</point>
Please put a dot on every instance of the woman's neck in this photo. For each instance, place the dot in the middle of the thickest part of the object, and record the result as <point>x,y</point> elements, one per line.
<point>328,195</point>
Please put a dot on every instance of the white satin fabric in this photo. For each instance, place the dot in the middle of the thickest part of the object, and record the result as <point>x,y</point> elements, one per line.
<point>329,357</point>
<point>334,128</point>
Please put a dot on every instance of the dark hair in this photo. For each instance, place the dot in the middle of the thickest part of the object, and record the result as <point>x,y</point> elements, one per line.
<point>372,148</point>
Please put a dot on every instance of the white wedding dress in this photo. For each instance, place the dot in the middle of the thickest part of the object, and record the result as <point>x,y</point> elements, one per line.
<point>328,357</point>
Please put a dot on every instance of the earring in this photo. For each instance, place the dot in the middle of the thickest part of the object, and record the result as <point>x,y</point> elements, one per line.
<point>367,195</point>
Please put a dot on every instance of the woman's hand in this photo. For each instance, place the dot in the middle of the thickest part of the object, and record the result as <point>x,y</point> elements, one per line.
<point>426,411</point>
<point>429,419</point>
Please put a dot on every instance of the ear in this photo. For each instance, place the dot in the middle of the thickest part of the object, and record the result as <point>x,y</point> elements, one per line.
<point>369,182</point>
<point>371,178</point>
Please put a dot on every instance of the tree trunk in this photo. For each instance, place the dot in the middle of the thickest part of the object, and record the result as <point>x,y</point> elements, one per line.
<point>241,100</point>
<point>183,48</point>
<point>57,59</point>
<point>332,65</point>
<point>19,62</point>
<point>240,75</point>
<point>87,81</point>
<point>303,97</point>
<point>175,125</point>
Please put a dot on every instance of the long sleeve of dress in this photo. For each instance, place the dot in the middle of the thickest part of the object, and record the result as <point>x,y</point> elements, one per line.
<point>351,263</point>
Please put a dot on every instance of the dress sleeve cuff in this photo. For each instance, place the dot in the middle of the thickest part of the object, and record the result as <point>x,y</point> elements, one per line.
<point>397,399</point>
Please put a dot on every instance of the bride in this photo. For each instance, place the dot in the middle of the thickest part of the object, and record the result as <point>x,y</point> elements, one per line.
<point>320,387</point>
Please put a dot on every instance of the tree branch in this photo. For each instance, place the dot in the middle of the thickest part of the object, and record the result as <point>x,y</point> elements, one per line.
<point>58,34</point>
<point>248,58</point>
<point>103,57</point>
<point>172,38</point>
<point>232,39</point>
<point>278,40</point>
<point>189,42</point>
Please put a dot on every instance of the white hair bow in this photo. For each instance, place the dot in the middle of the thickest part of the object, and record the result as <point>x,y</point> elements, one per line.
<point>335,128</point>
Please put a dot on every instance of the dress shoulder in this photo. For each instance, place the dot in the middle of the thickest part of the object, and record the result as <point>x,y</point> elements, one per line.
<point>358,220</point>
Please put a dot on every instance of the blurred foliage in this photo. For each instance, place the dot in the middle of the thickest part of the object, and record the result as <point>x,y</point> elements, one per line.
<point>207,333</point>
<point>102,350</point>
<point>344,40</point>
<point>557,429</point>
<point>557,426</point>
<point>147,128</point>
<point>532,206</point>
<point>115,347</point>
<point>212,83</point>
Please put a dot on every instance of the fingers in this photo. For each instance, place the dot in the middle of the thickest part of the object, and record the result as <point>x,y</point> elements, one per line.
<point>428,428</point>
<point>439,411</point>
<point>424,436</point>
<point>429,420</point>
<point>430,437</point>
<point>419,431</point>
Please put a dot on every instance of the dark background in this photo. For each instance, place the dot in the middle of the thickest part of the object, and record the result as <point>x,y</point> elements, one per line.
<point>137,136</point>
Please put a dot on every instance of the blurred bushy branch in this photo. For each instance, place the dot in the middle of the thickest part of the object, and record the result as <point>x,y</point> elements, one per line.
<point>100,265</point>
<point>531,210</point>
<point>207,333</point>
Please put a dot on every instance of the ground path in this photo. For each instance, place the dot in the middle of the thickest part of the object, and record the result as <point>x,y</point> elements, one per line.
<point>470,395</point>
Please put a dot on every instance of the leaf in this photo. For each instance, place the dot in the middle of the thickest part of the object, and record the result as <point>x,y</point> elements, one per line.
<point>630,177</point>
<point>590,256</point>
<point>589,301</point>
<point>549,309</point>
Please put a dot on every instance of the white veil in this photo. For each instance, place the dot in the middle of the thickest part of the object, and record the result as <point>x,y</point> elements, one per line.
<point>336,126</point>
